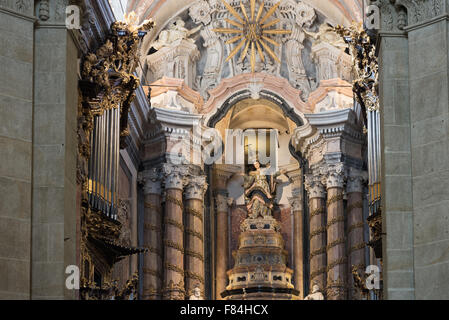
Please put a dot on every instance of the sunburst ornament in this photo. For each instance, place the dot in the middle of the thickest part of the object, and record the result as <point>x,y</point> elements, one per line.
<point>253,30</point>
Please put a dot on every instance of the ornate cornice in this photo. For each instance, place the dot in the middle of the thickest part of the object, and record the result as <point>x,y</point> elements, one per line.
<point>311,139</point>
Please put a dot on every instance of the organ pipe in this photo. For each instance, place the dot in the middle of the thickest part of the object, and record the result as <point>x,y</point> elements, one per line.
<point>103,163</point>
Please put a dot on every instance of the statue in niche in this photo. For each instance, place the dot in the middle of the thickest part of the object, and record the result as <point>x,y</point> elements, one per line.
<point>260,191</point>
<point>175,32</point>
<point>316,294</point>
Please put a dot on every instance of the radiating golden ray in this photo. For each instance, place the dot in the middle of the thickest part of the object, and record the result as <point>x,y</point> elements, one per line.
<point>270,12</point>
<point>259,49</point>
<point>270,52</point>
<point>253,9</point>
<point>236,49</point>
<point>271,23</point>
<point>259,14</point>
<point>270,41</point>
<point>252,32</point>
<point>227,30</point>
<point>234,23</point>
<point>232,11</point>
<point>244,11</point>
<point>235,39</point>
<point>245,51</point>
<point>253,57</point>
<point>276,31</point>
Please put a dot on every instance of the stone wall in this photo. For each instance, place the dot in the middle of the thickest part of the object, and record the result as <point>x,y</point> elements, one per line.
<point>38,142</point>
<point>415,125</point>
<point>54,159</point>
<point>16,112</point>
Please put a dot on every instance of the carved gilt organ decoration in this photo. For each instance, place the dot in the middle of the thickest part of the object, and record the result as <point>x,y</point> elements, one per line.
<point>107,88</point>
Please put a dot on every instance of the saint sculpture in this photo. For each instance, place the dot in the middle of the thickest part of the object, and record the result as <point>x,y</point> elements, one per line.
<point>260,191</point>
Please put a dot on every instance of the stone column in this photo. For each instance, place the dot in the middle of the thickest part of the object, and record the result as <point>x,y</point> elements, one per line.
<point>194,235</point>
<point>152,262</point>
<point>317,216</point>
<point>221,265</point>
<point>336,249</point>
<point>174,233</point>
<point>356,243</point>
<point>298,245</point>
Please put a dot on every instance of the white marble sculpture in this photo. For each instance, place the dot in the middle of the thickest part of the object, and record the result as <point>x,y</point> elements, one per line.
<point>175,32</point>
<point>316,294</point>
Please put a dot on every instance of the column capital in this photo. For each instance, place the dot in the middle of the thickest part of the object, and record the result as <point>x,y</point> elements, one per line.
<point>196,187</point>
<point>335,176</point>
<point>151,179</point>
<point>356,180</point>
<point>314,186</point>
<point>175,176</point>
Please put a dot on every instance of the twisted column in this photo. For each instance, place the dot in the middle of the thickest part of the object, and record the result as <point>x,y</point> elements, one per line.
<point>336,249</point>
<point>152,237</point>
<point>356,243</point>
<point>174,233</point>
<point>221,266</point>
<point>317,216</point>
<point>194,235</point>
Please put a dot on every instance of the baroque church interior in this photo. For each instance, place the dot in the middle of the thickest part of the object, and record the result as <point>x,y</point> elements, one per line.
<point>224,149</point>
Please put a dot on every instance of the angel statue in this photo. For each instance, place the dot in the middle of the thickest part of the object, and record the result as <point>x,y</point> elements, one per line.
<point>260,191</point>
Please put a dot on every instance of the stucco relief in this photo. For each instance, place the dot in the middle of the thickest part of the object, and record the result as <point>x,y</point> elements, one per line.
<point>204,16</point>
<point>398,14</point>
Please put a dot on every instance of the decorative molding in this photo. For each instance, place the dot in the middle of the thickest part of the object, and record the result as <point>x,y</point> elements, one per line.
<point>314,186</point>
<point>196,187</point>
<point>335,177</point>
<point>175,176</point>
